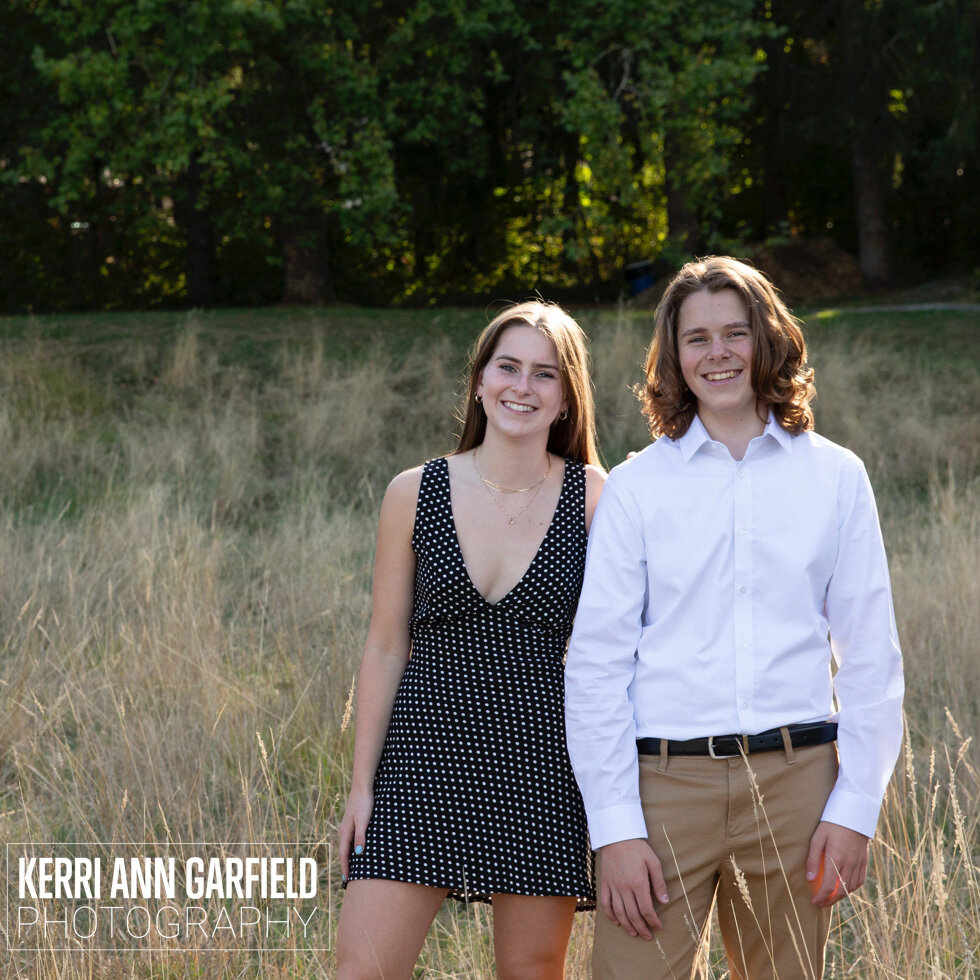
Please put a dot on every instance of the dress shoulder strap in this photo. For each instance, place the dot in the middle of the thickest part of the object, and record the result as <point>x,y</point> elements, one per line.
<point>432,511</point>
<point>573,496</point>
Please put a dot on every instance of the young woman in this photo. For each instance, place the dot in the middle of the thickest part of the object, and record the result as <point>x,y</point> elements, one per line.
<point>461,783</point>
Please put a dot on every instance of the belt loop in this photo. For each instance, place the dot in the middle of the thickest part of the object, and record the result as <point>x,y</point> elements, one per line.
<point>745,744</point>
<point>663,756</point>
<point>788,746</point>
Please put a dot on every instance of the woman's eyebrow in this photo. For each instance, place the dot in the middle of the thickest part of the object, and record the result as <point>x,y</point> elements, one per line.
<point>517,360</point>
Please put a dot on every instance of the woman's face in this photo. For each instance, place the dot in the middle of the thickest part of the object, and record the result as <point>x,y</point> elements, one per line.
<point>521,384</point>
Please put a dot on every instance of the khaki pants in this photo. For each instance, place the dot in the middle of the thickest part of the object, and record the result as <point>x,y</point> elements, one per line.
<point>736,832</point>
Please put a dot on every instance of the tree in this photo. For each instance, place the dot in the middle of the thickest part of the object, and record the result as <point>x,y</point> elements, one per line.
<point>225,119</point>
<point>532,143</point>
<point>861,102</point>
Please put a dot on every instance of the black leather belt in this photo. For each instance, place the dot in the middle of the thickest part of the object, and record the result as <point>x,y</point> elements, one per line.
<point>727,746</point>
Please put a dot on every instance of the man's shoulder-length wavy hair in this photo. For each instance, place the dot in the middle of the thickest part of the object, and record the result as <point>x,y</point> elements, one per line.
<point>781,377</point>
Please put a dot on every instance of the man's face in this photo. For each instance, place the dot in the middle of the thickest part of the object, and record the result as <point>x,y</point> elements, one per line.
<point>714,345</point>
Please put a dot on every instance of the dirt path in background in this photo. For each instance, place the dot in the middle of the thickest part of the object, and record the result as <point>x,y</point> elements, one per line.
<point>906,308</point>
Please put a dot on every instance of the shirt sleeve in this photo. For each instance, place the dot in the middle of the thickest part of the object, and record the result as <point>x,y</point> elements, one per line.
<point>601,663</point>
<point>868,684</point>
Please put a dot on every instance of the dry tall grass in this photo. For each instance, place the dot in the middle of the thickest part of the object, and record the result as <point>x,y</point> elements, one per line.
<point>184,588</point>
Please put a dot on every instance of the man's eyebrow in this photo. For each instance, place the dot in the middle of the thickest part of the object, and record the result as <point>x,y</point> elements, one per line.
<point>698,328</point>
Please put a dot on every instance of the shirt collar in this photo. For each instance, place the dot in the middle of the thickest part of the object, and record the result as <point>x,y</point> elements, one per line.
<point>697,435</point>
<point>692,440</point>
<point>777,432</point>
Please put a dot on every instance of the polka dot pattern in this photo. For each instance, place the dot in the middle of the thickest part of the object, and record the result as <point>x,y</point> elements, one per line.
<point>474,791</point>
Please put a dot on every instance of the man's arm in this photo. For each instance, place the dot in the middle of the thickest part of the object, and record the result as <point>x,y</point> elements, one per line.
<point>599,715</point>
<point>869,689</point>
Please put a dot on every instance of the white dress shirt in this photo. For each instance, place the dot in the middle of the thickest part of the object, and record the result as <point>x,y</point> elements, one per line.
<point>711,585</point>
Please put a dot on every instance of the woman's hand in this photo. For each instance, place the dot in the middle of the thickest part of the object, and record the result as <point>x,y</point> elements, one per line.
<point>353,826</point>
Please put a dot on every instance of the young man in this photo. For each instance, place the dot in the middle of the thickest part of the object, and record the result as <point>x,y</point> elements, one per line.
<point>699,688</point>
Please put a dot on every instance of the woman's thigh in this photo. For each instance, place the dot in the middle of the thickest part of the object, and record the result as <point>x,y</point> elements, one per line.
<point>382,927</point>
<point>530,935</point>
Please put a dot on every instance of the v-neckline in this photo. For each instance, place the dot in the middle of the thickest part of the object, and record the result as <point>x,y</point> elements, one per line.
<point>537,553</point>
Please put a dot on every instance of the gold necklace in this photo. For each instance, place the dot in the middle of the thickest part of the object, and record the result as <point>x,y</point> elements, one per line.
<point>536,487</point>
<point>500,506</point>
<point>489,483</point>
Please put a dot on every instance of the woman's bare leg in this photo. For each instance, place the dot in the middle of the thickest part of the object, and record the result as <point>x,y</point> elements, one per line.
<point>530,936</point>
<point>382,927</point>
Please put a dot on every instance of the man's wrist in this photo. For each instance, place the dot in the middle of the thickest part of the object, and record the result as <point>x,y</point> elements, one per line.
<point>615,823</point>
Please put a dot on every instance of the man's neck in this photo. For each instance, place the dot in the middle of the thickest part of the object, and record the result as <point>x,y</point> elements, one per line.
<point>735,433</point>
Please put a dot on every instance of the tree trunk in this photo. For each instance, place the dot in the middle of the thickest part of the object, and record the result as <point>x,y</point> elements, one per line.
<point>871,212</point>
<point>570,203</point>
<point>200,240</point>
<point>682,220</point>
<point>307,273</point>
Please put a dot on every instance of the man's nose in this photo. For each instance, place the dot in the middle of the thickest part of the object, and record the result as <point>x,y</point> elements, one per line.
<point>718,347</point>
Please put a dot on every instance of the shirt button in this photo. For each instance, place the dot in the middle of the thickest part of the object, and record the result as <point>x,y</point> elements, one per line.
<point>743,646</point>
<point>745,704</point>
<point>742,532</point>
<point>743,589</point>
<point>741,474</point>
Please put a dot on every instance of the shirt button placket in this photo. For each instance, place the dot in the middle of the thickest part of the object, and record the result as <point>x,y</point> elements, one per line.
<point>742,604</point>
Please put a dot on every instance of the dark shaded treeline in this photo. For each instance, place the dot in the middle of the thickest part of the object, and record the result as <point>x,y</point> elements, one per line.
<point>181,153</point>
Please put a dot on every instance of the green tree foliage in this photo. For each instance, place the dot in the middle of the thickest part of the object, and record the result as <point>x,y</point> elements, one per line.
<point>530,139</point>
<point>866,128</point>
<point>40,250</point>
<point>251,151</point>
<point>194,127</point>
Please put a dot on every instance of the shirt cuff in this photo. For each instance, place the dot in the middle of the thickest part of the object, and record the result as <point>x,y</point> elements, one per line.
<point>616,823</point>
<point>853,811</point>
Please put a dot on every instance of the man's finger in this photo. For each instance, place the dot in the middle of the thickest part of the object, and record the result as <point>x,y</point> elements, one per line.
<point>636,919</point>
<point>828,884</point>
<point>659,884</point>
<point>649,913</point>
<point>621,916</point>
<point>605,903</point>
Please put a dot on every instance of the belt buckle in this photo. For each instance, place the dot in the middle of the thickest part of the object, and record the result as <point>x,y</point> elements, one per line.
<point>711,748</point>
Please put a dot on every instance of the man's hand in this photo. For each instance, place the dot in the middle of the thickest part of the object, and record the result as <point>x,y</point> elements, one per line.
<point>629,877</point>
<point>837,862</point>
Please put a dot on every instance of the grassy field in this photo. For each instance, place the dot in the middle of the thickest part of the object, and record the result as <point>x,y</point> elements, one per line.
<point>189,503</point>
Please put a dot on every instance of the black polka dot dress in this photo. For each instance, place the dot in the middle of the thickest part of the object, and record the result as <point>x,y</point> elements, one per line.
<point>474,791</point>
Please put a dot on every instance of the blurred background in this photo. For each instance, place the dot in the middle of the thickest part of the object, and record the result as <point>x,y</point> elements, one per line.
<point>245,152</point>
